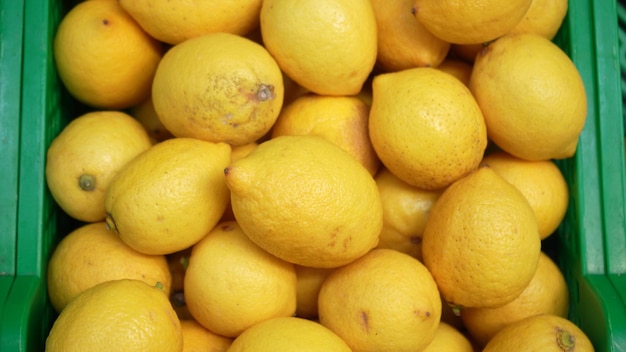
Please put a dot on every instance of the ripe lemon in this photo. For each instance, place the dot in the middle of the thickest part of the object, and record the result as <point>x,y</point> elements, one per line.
<point>470,22</point>
<point>448,339</point>
<point>405,211</point>
<point>196,338</point>
<point>218,87</point>
<point>169,197</point>
<point>328,48</point>
<point>175,22</point>
<point>309,282</point>
<point>426,127</point>
<point>458,68</point>
<point>466,52</point>
<point>145,114</point>
<point>103,57</point>
<point>541,182</point>
<point>232,284</point>
<point>403,41</point>
<point>545,294</point>
<point>117,315</point>
<point>531,95</point>
<point>544,17</point>
<point>288,334</point>
<point>306,200</point>
<point>342,120</point>
<point>86,155</point>
<point>90,255</point>
<point>384,301</point>
<point>481,241</point>
<point>544,332</point>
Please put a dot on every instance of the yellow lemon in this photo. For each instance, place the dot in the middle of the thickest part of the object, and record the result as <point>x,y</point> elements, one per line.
<point>288,334</point>
<point>218,87</point>
<point>232,284</point>
<point>306,200</point>
<point>384,301</point>
<point>196,338</point>
<point>169,197</point>
<point>481,241</point>
<point>541,182</point>
<point>405,211</point>
<point>85,156</point>
<point>545,294</point>
<point>426,127</point>
<point>328,48</point>
<point>309,282</point>
<point>117,315</point>
<point>175,22</point>
<point>458,68</point>
<point>145,114</point>
<point>448,339</point>
<point>403,41</point>
<point>342,120</point>
<point>544,17</point>
<point>543,332</point>
<point>531,95</point>
<point>103,57</point>
<point>466,52</point>
<point>470,22</point>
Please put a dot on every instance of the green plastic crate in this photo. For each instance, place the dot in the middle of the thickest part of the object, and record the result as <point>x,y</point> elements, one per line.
<point>589,246</point>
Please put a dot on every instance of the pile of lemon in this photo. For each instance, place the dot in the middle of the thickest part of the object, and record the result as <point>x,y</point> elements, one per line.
<point>313,175</point>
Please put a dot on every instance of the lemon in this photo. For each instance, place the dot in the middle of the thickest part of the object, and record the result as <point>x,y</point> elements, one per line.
<point>309,282</point>
<point>481,241</point>
<point>175,22</point>
<point>384,301</point>
<point>403,41</point>
<point>306,200</point>
<point>531,95</point>
<point>470,22</point>
<point>103,57</point>
<point>426,127</point>
<point>466,52</point>
<point>328,48</point>
<point>405,211</point>
<point>117,315</point>
<point>541,182</point>
<point>342,120</point>
<point>545,294</point>
<point>232,284</point>
<point>218,87</point>
<point>177,263</point>
<point>458,68</point>
<point>543,332</point>
<point>169,197</point>
<point>84,157</point>
<point>544,17</point>
<point>196,338</point>
<point>145,114</point>
<point>288,334</point>
<point>448,339</point>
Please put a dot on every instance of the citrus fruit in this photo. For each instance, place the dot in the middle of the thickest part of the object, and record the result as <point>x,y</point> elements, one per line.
<point>447,339</point>
<point>169,197</point>
<point>306,200</point>
<point>458,68</point>
<point>218,87</point>
<point>481,241</point>
<point>426,127</point>
<point>232,284</point>
<point>145,114</point>
<point>544,17</point>
<point>196,338</point>
<point>309,282</point>
<point>328,48</point>
<point>103,57</point>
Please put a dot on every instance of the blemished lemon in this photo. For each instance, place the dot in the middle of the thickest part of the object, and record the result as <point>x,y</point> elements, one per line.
<point>288,334</point>
<point>448,339</point>
<point>309,282</point>
<point>405,211</point>
<point>117,315</point>
<point>175,22</point>
<point>232,284</point>
<point>342,120</point>
<point>544,17</point>
<point>90,255</point>
<point>458,68</point>
<point>145,114</point>
<point>543,332</point>
<point>426,127</point>
<point>403,41</point>
<point>545,294</point>
<point>328,48</point>
<point>103,57</point>
<point>85,156</point>
<point>470,22</point>
<point>541,182</point>
<point>197,338</point>
<point>169,197</point>
<point>475,221</point>
<point>306,200</point>
<point>218,87</point>
<point>531,95</point>
<point>384,301</point>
